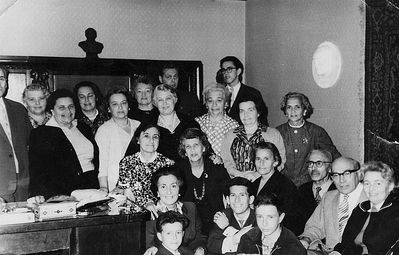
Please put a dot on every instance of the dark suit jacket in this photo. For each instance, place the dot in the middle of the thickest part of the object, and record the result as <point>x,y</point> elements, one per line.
<point>182,250</point>
<point>286,190</point>
<point>188,104</point>
<point>54,165</point>
<point>248,92</point>
<point>14,187</point>
<point>307,198</point>
<point>192,235</point>
<point>216,237</point>
<point>214,185</point>
<point>286,244</point>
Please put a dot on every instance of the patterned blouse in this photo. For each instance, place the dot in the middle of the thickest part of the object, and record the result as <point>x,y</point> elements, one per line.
<point>35,123</point>
<point>96,123</point>
<point>216,133</point>
<point>136,175</point>
<point>241,148</point>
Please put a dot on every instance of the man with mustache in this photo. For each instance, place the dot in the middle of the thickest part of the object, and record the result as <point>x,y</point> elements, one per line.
<point>319,165</point>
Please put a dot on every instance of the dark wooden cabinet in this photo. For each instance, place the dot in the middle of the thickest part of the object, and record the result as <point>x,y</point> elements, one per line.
<point>101,234</point>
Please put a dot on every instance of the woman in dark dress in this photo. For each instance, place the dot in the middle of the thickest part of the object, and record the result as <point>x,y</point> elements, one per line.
<point>63,155</point>
<point>267,159</point>
<point>204,179</point>
<point>171,124</point>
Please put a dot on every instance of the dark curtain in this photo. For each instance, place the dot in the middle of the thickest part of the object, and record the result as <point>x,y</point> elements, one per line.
<point>382,82</point>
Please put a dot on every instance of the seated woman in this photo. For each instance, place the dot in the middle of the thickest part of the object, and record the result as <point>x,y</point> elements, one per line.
<point>172,124</point>
<point>63,155</point>
<point>35,99</point>
<point>135,171</point>
<point>205,180</point>
<point>168,185</point>
<point>301,136</point>
<point>216,123</point>
<point>91,110</point>
<point>237,144</point>
<point>373,226</point>
<point>113,138</point>
<point>269,237</point>
<point>144,111</point>
<point>267,159</point>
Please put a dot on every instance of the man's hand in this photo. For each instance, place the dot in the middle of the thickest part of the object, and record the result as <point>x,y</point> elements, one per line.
<point>36,200</point>
<point>305,243</point>
<point>151,251</point>
<point>221,220</point>
<point>237,236</point>
<point>217,160</point>
<point>199,251</point>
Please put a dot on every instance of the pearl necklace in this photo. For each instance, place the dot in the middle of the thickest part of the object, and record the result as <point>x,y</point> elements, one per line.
<point>199,198</point>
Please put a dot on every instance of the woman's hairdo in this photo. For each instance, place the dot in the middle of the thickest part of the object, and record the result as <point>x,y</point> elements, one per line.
<point>171,217</point>
<point>145,79</point>
<point>216,87</point>
<point>35,87</point>
<point>267,146</point>
<point>191,133</point>
<point>122,91</point>
<point>307,106</point>
<point>269,199</point>
<point>378,166</point>
<point>164,87</point>
<point>60,93</point>
<point>165,171</point>
<point>144,126</point>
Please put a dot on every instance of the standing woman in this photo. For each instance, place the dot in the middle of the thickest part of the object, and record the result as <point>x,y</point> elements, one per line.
<point>90,110</point>
<point>205,180</point>
<point>113,138</point>
<point>216,123</point>
<point>301,136</point>
<point>35,99</point>
<point>172,124</point>
<point>63,155</point>
<point>237,145</point>
<point>135,171</point>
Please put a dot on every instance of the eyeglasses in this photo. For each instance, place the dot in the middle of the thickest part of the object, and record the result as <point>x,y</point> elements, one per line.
<point>345,174</point>
<point>317,163</point>
<point>228,69</point>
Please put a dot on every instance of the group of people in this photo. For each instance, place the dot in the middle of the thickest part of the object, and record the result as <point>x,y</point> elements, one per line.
<point>216,181</point>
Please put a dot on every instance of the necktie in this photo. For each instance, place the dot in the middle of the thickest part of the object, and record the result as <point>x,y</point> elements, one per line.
<point>232,98</point>
<point>317,196</point>
<point>343,213</point>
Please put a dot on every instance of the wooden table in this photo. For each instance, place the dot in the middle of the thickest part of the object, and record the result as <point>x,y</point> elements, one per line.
<point>95,234</point>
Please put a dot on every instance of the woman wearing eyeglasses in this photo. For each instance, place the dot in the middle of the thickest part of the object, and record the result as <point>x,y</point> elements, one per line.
<point>373,226</point>
<point>301,136</point>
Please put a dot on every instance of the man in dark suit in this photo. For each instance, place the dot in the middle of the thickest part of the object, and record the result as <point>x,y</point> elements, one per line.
<point>187,102</point>
<point>319,166</point>
<point>232,70</point>
<point>14,138</point>
<point>235,221</point>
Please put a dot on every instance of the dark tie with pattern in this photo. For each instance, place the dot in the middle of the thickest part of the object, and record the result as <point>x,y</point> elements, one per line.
<point>343,213</point>
<point>317,196</point>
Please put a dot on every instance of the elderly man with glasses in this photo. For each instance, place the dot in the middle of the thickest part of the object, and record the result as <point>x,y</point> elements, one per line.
<point>330,217</point>
<point>232,70</point>
<point>319,165</point>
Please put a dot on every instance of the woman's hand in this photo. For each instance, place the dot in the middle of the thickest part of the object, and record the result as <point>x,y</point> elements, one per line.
<point>151,251</point>
<point>221,220</point>
<point>217,160</point>
<point>150,206</point>
<point>36,200</point>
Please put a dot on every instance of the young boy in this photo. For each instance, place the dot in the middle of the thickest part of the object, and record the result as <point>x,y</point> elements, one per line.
<point>170,231</point>
<point>235,221</point>
<point>269,237</point>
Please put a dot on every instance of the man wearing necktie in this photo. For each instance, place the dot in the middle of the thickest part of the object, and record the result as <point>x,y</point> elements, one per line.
<point>232,70</point>
<point>330,217</point>
<point>319,165</point>
<point>14,139</point>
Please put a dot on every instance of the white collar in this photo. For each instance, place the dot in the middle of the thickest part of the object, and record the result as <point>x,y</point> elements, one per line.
<point>149,161</point>
<point>53,123</point>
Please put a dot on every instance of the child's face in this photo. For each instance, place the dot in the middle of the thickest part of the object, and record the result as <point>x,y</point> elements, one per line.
<point>268,219</point>
<point>171,235</point>
<point>264,161</point>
